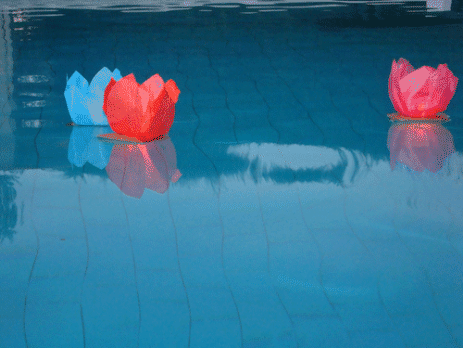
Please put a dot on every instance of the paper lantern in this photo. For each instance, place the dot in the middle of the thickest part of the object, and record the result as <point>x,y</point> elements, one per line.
<point>145,112</point>
<point>84,101</point>
<point>421,93</point>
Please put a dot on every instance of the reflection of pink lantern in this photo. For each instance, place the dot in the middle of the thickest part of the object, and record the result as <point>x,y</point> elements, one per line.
<point>421,93</point>
<point>134,167</point>
<point>420,145</point>
<point>145,112</point>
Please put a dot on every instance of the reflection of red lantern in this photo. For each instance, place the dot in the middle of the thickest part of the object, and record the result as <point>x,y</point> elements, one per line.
<point>420,93</point>
<point>420,145</point>
<point>145,112</point>
<point>132,167</point>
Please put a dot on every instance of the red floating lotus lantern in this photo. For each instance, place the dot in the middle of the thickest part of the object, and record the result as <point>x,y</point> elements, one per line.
<point>144,112</point>
<point>420,94</point>
<point>420,145</point>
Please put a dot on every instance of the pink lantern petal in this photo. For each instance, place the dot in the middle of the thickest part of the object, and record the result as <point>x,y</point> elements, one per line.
<point>398,71</point>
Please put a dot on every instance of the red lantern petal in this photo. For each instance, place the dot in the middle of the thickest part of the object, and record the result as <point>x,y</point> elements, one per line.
<point>107,90</point>
<point>172,90</point>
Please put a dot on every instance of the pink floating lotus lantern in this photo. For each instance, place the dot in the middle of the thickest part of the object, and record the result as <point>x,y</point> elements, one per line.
<point>420,94</point>
<point>134,167</point>
<point>143,112</point>
<point>420,145</point>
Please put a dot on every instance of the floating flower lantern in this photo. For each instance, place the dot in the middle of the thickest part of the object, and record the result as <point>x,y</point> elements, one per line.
<point>84,147</point>
<point>420,94</point>
<point>134,167</point>
<point>84,101</point>
<point>419,145</point>
<point>142,112</point>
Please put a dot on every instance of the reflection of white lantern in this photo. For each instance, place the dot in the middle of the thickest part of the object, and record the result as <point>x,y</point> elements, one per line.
<point>439,5</point>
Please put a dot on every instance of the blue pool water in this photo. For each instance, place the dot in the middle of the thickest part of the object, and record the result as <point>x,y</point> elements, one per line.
<point>284,209</point>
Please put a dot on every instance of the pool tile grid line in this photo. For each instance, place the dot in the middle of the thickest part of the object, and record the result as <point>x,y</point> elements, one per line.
<point>134,267</point>
<point>381,296</point>
<point>345,69</point>
<point>31,325</point>
<point>221,257</point>
<point>381,300</point>
<point>335,106</point>
<point>264,95</point>
<point>236,114</point>
<point>225,92</point>
<point>425,272</point>
<point>239,262</point>
<point>110,294</point>
<point>331,96</point>
<point>86,264</point>
<point>451,228</point>
<point>166,302</point>
<point>254,81</point>
<point>320,272</point>
<point>320,253</point>
<point>372,256</point>
<point>180,268</point>
<point>360,87</point>
<point>252,34</point>
<point>379,287</point>
<point>269,273</point>
<point>220,219</point>
<point>32,267</point>
<point>34,264</point>
<point>218,192</point>
<point>322,256</point>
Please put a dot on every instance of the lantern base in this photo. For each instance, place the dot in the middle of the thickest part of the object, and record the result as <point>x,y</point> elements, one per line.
<point>116,138</point>
<point>439,117</point>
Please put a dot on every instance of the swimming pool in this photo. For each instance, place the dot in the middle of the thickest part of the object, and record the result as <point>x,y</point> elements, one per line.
<point>284,209</point>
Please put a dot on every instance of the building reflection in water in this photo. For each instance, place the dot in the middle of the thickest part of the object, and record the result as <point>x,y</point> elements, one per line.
<point>8,208</point>
<point>7,124</point>
<point>419,145</point>
<point>439,5</point>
